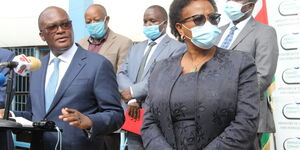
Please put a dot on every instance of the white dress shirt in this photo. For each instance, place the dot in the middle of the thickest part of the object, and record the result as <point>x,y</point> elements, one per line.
<point>239,26</point>
<point>65,61</point>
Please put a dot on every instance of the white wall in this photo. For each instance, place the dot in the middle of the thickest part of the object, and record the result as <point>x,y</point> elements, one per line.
<point>18,21</point>
<point>18,25</point>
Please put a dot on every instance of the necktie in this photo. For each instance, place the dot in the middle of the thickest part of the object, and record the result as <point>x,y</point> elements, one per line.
<point>228,38</point>
<point>143,62</point>
<point>52,83</point>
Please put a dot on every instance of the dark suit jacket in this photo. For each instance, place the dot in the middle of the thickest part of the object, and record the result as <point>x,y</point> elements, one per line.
<point>89,86</point>
<point>260,41</point>
<point>6,142</point>
<point>226,107</point>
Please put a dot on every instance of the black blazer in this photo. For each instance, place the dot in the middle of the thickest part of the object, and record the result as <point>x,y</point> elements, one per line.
<point>226,107</point>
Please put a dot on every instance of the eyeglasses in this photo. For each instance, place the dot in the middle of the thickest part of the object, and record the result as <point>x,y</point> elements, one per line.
<point>200,19</point>
<point>66,25</point>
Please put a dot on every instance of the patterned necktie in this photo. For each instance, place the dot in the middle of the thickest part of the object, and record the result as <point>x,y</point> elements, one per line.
<point>52,83</point>
<point>228,38</point>
<point>143,62</point>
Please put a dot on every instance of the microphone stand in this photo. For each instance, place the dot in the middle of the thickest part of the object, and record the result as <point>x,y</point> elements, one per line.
<point>6,122</point>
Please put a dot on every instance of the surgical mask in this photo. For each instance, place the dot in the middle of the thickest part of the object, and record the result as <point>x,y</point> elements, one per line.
<point>96,30</point>
<point>234,10</point>
<point>152,32</point>
<point>204,36</point>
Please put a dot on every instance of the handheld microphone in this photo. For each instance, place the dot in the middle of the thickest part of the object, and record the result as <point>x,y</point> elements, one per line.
<point>2,79</point>
<point>22,64</point>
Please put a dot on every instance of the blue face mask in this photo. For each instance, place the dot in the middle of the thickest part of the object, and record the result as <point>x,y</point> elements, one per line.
<point>204,36</point>
<point>234,10</point>
<point>152,32</point>
<point>96,30</point>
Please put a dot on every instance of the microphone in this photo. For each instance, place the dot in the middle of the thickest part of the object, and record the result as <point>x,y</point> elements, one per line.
<point>2,79</point>
<point>22,64</point>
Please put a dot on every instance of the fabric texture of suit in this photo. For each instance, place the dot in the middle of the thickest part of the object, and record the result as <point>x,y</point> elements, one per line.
<point>260,40</point>
<point>89,86</point>
<point>6,142</point>
<point>128,73</point>
<point>115,48</point>
<point>226,106</point>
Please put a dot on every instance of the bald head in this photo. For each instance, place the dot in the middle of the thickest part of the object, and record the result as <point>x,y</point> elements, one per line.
<point>50,12</point>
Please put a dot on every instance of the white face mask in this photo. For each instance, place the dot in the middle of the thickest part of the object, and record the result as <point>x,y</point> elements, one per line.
<point>234,10</point>
<point>204,36</point>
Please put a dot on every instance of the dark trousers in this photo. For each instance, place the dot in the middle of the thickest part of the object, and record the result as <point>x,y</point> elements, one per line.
<point>134,141</point>
<point>112,141</point>
<point>6,141</point>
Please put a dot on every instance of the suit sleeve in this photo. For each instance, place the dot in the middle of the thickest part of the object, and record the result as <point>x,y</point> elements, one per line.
<point>123,53</point>
<point>4,71</point>
<point>240,134</point>
<point>266,58</point>
<point>111,114</point>
<point>123,75</point>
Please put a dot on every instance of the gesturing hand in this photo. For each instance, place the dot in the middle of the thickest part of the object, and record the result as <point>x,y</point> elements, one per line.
<point>75,118</point>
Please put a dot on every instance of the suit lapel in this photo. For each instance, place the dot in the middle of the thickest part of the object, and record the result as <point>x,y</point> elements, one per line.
<point>75,67</point>
<point>159,49</point>
<point>174,73</point>
<point>107,44</point>
<point>245,32</point>
<point>139,56</point>
<point>45,62</point>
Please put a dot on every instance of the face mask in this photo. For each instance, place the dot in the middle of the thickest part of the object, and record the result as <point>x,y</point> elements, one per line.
<point>96,30</point>
<point>204,36</point>
<point>152,32</point>
<point>234,10</point>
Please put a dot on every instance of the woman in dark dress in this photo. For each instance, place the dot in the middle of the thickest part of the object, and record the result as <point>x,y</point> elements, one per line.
<point>206,98</point>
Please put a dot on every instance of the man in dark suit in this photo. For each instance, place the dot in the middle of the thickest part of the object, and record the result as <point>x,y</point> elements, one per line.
<point>134,73</point>
<point>260,41</point>
<point>75,88</point>
<point>6,142</point>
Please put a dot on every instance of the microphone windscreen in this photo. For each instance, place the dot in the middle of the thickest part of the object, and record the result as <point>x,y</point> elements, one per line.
<point>2,79</point>
<point>36,63</point>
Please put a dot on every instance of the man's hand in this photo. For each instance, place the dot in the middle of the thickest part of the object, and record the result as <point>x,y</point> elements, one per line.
<point>126,95</point>
<point>1,113</point>
<point>75,118</point>
<point>134,110</point>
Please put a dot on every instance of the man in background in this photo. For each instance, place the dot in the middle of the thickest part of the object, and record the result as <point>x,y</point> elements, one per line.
<point>6,141</point>
<point>244,33</point>
<point>102,39</point>
<point>134,73</point>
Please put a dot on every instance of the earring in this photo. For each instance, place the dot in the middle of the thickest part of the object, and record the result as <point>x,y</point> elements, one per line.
<point>182,37</point>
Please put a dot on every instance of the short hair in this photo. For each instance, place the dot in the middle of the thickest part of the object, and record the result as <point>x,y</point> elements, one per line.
<point>161,10</point>
<point>101,7</point>
<point>175,14</point>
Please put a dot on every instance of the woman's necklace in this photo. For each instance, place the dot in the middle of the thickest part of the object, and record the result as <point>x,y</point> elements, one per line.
<point>195,65</point>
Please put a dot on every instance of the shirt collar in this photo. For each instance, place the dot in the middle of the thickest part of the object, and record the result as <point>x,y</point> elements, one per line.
<point>241,24</point>
<point>66,57</point>
<point>157,41</point>
<point>93,41</point>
